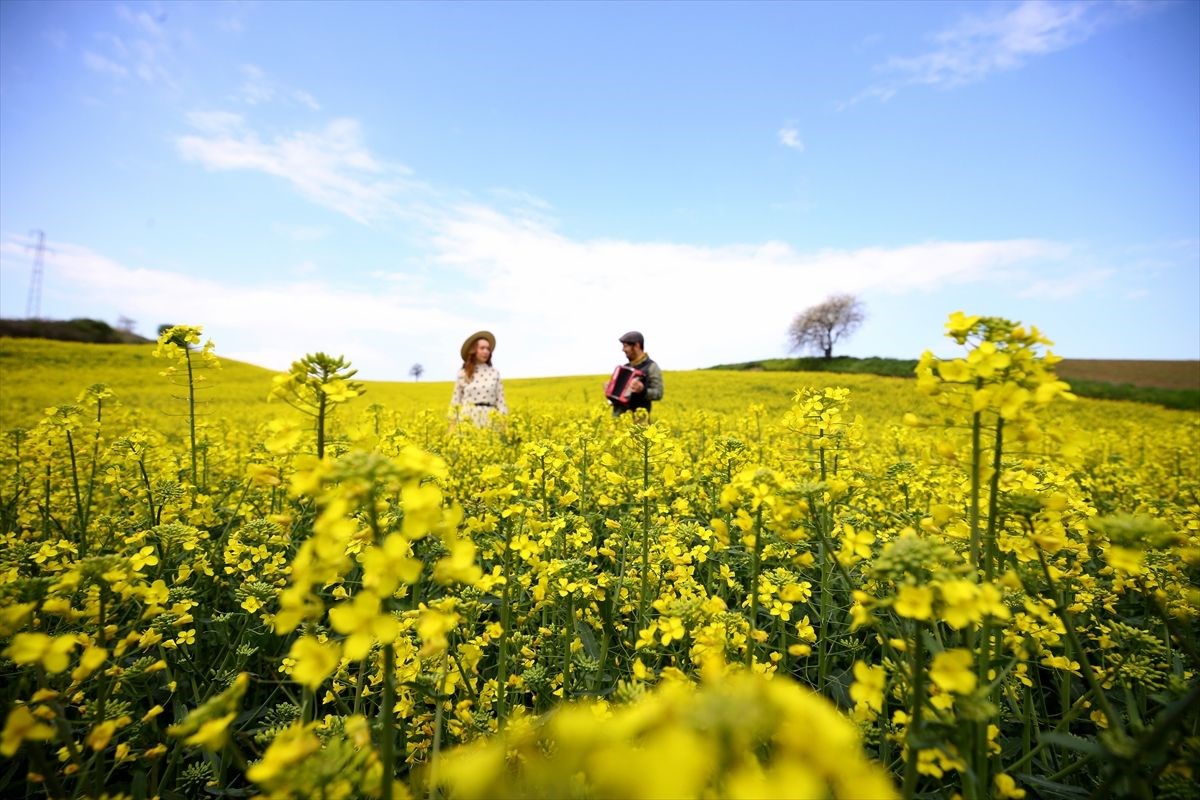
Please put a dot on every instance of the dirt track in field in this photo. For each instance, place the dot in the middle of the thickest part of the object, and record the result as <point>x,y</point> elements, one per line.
<point>1160,374</point>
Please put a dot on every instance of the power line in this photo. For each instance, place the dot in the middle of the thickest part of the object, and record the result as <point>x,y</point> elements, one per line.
<point>33,307</point>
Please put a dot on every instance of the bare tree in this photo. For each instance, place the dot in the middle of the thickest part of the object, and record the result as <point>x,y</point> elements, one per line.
<point>417,371</point>
<point>819,327</point>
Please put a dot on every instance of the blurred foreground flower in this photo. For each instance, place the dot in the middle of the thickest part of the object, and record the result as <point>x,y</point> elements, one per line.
<point>740,736</point>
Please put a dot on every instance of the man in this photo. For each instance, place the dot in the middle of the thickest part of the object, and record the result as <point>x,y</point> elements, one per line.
<point>644,391</point>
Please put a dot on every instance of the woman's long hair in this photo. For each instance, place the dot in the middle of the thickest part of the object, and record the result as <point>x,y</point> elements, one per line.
<point>470,362</point>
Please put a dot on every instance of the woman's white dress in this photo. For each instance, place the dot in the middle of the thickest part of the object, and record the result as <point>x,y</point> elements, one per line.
<point>476,399</point>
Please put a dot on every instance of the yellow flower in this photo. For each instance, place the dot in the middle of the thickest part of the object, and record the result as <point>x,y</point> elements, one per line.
<point>339,391</point>
<point>459,566</point>
<point>1125,560</point>
<point>951,671</point>
<point>101,735</point>
<point>263,474</point>
<point>292,746</point>
<point>314,660</point>
<point>12,617</point>
<point>914,602</point>
<point>959,607</point>
<point>364,623</point>
<point>22,726</point>
<point>89,661</point>
<point>212,734</point>
<point>387,566</point>
<point>959,326</point>
<point>805,631</point>
<point>1062,663</point>
<point>1006,787</point>
<point>867,689</point>
<point>144,557</point>
<point>208,725</point>
<point>156,593</point>
<point>432,627</point>
<point>53,653</point>
<point>671,629</point>
<point>282,436</point>
<point>957,371</point>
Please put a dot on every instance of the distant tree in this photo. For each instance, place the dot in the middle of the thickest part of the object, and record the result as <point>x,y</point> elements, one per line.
<point>126,324</point>
<point>821,326</point>
<point>417,371</point>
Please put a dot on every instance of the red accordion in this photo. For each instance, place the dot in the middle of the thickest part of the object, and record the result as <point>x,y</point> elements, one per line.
<point>617,389</point>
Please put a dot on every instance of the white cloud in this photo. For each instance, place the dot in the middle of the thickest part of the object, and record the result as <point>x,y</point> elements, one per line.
<point>1071,285</point>
<point>557,300</point>
<point>255,87</point>
<point>556,304</point>
<point>330,167</point>
<point>561,297</point>
<point>146,22</point>
<point>305,99</point>
<point>258,89</point>
<point>143,49</point>
<point>269,323</point>
<point>982,45</point>
<point>98,63</point>
<point>790,137</point>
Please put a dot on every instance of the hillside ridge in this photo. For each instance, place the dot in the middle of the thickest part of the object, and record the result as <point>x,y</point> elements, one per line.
<point>82,329</point>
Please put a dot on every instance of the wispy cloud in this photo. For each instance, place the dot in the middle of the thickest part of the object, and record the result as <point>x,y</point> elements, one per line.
<point>1071,285</point>
<point>981,45</point>
<point>516,269</point>
<point>98,63</point>
<point>790,137</point>
<point>149,22</point>
<point>258,88</point>
<point>142,47</point>
<point>330,166</point>
<point>57,38</point>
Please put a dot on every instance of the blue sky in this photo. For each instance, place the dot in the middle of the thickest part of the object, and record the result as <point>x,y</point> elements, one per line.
<point>381,179</point>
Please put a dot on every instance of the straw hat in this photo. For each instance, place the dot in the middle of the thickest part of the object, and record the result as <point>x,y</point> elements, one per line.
<point>469,344</point>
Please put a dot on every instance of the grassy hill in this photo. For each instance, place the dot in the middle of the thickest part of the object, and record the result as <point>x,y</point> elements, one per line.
<point>1173,384</point>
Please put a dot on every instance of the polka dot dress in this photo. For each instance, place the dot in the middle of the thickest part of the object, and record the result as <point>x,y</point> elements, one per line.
<point>475,400</point>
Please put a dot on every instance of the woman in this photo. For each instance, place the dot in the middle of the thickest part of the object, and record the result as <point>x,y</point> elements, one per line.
<point>477,390</point>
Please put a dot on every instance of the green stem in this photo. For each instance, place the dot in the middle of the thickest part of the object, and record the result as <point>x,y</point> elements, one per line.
<point>913,736</point>
<point>387,722</point>
<point>568,636</point>
<point>505,625</point>
<point>80,521</point>
<point>755,565</point>
<point>976,463</point>
<point>438,716</point>
<point>320,424</point>
<point>1077,652</point>
<point>644,599</point>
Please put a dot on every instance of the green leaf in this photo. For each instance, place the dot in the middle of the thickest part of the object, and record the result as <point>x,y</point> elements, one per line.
<point>1088,747</point>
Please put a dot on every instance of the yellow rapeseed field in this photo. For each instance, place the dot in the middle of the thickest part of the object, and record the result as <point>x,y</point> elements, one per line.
<point>220,581</point>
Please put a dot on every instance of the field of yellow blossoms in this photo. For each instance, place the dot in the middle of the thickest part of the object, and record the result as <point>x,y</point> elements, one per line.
<point>215,582</point>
